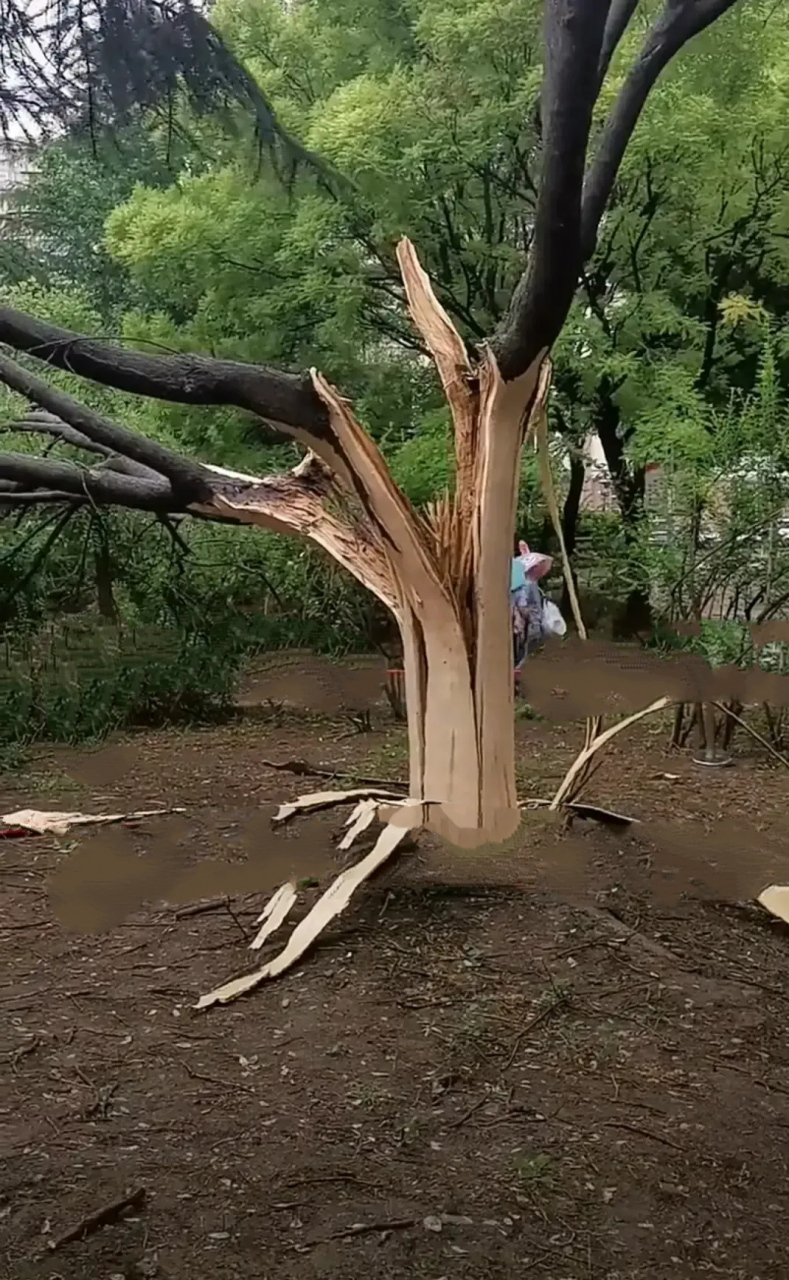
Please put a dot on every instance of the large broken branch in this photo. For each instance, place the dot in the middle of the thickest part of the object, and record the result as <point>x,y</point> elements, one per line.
<point>300,502</point>
<point>284,398</point>
<point>184,476</point>
<point>140,473</point>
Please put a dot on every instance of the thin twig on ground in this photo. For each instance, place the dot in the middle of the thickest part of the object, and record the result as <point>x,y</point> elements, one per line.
<point>530,1025</point>
<point>644,1133</point>
<point>109,1213</point>
<point>363,1229</point>
<point>199,908</point>
<point>304,770</point>
<point>748,729</point>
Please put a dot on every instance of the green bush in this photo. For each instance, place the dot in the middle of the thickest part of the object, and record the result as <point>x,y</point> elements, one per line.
<point>79,680</point>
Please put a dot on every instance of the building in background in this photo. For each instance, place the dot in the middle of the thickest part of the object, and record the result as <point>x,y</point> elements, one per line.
<point>15,165</point>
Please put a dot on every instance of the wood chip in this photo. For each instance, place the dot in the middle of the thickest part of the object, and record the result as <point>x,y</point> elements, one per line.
<point>56,823</point>
<point>327,800</point>
<point>274,913</point>
<point>775,899</point>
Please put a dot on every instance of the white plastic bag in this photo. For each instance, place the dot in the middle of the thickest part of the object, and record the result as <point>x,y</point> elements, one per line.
<point>552,621</point>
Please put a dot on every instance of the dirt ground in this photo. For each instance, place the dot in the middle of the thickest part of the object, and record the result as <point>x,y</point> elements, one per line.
<point>477,1073</point>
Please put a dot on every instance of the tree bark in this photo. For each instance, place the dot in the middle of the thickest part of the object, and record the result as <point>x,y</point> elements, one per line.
<point>102,560</point>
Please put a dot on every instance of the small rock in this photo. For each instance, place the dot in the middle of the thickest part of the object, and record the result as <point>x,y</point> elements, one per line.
<point>432,1223</point>
<point>285,1002</point>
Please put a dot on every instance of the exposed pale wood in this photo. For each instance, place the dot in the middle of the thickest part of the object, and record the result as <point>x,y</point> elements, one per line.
<point>296,503</point>
<point>332,902</point>
<point>541,432</point>
<point>504,409</point>
<point>274,914</point>
<point>597,743</point>
<point>362,817</point>
<point>450,768</point>
<point>47,822</point>
<point>327,800</point>
<point>775,899</point>
<point>454,369</point>
<point>594,724</point>
<point>415,668</point>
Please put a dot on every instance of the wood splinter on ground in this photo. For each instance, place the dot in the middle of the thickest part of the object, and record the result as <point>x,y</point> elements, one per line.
<point>329,905</point>
<point>775,899</point>
<point>274,913</point>
<point>44,822</point>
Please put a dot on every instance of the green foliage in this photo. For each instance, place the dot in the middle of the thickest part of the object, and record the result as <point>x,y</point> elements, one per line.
<point>54,224</point>
<point>77,681</point>
<point>717,541</point>
<point>424,465</point>
<point>429,110</point>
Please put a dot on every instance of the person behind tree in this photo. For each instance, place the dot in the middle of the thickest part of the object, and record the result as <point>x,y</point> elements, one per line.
<point>527,602</point>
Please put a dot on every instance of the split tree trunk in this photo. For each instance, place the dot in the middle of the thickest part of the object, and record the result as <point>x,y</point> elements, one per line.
<point>444,575</point>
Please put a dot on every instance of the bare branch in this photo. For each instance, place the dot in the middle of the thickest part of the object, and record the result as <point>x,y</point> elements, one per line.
<point>43,423</point>
<point>619,16</point>
<point>38,497</point>
<point>574,32</point>
<point>183,475</point>
<point>679,22</point>
<point>279,397</point>
<point>93,483</point>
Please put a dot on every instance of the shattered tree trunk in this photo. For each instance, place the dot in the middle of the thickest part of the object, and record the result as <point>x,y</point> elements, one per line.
<point>444,575</point>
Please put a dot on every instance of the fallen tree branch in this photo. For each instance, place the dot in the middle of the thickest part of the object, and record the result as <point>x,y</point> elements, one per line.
<point>329,800</point>
<point>185,476</point>
<point>286,398</point>
<point>200,908</point>
<point>304,770</point>
<point>362,1229</point>
<point>329,905</point>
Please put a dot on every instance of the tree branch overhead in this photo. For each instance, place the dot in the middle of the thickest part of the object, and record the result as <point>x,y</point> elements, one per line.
<point>284,398</point>
<point>679,22</point>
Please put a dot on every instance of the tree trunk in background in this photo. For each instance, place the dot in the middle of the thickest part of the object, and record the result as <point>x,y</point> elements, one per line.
<point>102,560</point>
<point>570,517</point>
<point>634,616</point>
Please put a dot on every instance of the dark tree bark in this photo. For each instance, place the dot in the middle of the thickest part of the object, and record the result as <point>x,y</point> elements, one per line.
<point>570,519</point>
<point>102,560</point>
<point>634,618</point>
